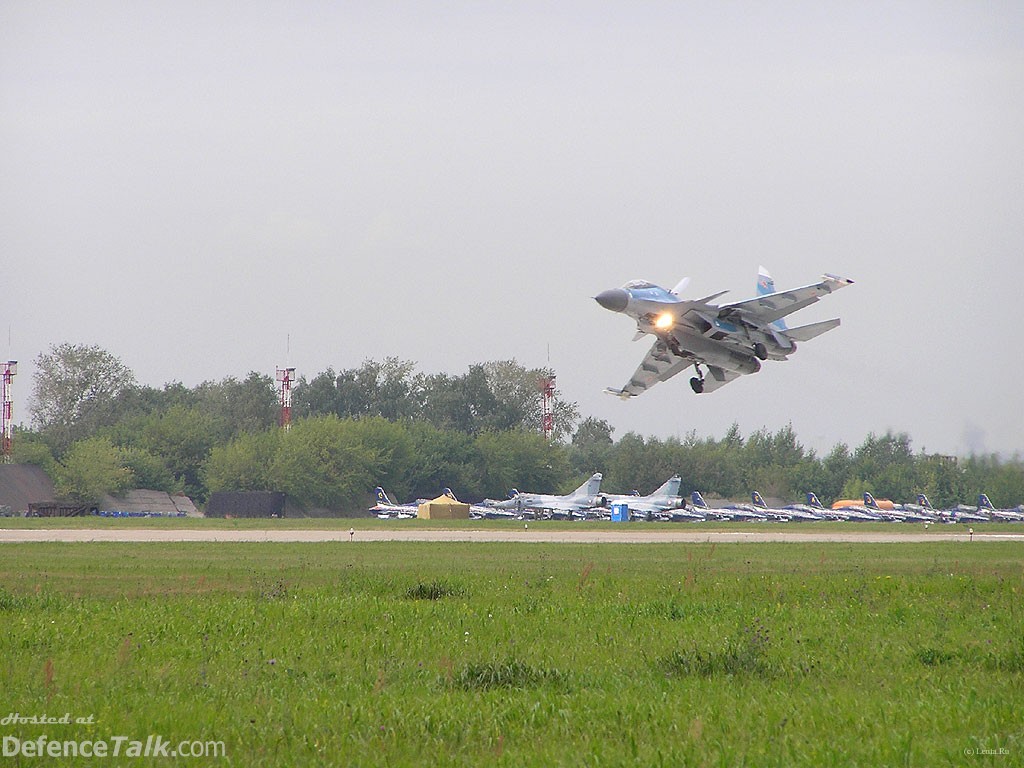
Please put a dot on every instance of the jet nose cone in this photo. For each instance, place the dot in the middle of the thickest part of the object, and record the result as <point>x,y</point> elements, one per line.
<point>614,299</point>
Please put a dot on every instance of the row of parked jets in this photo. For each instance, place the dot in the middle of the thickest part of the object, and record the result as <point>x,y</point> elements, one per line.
<point>666,505</point>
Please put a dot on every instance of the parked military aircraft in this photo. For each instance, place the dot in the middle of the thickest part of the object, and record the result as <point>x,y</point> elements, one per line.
<point>924,507</point>
<point>1004,515</point>
<point>663,499</point>
<point>480,510</point>
<point>728,339</point>
<point>385,508</point>
<point>894,512</point>
<point>876,503</point>
<point>730,512</point>
<point>856,514</point>
<point>586,496</point>
<point>795,512</point>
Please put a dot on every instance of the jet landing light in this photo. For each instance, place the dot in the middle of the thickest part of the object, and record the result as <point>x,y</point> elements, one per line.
<point>664,321</point>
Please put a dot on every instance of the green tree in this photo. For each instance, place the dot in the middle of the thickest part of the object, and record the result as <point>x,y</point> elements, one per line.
<point>464,403</point>
<point>30,448</point>
<point>235,407</point>
<point>244,464</point>
<point>182,437</point>
<point>392,449</point>
<point>518,393</point>
<point>592,446</point>
<point>75,390</point>
<point>325,463</point>
<point>440,458</point>
<point>149,470</point>
<point>524,459</point>
<point>390,389</point>
<point>91,469</point>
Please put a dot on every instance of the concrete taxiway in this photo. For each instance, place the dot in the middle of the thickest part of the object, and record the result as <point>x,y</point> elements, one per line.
<point>532,535</point>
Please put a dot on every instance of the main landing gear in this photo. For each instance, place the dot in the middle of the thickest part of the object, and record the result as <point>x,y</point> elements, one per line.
<point>760,351</point>
<point>697,382</point>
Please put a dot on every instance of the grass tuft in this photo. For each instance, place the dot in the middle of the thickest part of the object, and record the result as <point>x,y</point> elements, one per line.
<point>11,602</point>
<point>435,590</point>
<point>271,590</point>
<point>508,674</point>
<point>745,654</point>
<point>934,657</point>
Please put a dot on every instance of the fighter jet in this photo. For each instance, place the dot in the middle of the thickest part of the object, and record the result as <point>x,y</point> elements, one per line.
<point>924,507</point>
<point>728,512</point>
<point>887,510</point>
<point>795,512</point>
<point>728,339</point>
<point>386,509</point>
<point>856,514</point>
<point>664,499</point>
<point>1003,515</point>
<point>478,511</point>
<point>586,496</point>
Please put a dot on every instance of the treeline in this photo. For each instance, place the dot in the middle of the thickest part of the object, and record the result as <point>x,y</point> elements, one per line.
<point>97,431</point>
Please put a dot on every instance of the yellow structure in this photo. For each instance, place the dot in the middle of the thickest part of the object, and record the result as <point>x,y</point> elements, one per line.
<point>443,508</point>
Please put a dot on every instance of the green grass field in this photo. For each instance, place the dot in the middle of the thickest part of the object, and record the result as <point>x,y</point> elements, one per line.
<point>526,654</point>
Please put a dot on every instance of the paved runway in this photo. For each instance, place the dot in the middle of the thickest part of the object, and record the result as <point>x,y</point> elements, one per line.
<point>139,535</point>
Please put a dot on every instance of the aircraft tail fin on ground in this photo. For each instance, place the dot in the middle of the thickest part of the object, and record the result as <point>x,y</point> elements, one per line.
<point>812,500</point>
<point>923,501</point>
<point>382,497</point>
<point>590,488</point>
<point>758,500</point>
<point>983,502</point>
<point>670,487</point>
<point>808,332</point>
<point>766,287</point>
<point>698,501</point>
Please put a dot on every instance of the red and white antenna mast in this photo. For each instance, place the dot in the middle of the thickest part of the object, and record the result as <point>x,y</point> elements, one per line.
<point>546,384</point>
<point>7,372</point>
<point>286,376</point>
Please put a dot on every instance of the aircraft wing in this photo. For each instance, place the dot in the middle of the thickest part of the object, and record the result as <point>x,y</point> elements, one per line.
<point>775,306</point>
<point>658,365</point>
<point>718,378</point>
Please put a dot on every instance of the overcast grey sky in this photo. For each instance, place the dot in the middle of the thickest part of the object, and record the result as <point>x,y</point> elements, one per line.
<point>189,184</point>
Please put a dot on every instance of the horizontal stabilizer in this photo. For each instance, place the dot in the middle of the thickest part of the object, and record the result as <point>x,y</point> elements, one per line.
<point>618,393</point>
<point>808,332</point>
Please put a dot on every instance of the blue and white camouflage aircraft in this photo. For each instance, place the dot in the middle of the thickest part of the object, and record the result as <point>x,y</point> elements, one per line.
<point>728,339</point>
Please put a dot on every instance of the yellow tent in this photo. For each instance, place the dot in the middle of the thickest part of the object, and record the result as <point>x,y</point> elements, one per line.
<point>443,508</point>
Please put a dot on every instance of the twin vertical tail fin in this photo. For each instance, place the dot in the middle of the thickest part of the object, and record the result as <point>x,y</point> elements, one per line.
<point>758,500</point>
<point>765,287</point>
<point>812,500</point>
<point>698,501</point>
